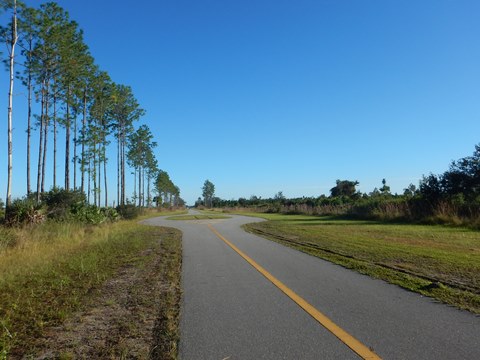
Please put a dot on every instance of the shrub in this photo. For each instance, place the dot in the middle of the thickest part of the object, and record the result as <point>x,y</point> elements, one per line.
<point>61,203</point>
<point>88,214</point>
<point>129,211</point>
<point>24,211</point>
<point>91,214</point>
<point>110,214</point>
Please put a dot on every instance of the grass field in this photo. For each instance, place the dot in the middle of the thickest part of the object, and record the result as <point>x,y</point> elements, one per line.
<point>437,261</point>
<point>50,271</point>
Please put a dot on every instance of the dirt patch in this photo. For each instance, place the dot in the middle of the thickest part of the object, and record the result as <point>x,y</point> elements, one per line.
<point>121,319</point>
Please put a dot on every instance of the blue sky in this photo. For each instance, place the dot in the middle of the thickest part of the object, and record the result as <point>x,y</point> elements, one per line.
<point>261,96</point>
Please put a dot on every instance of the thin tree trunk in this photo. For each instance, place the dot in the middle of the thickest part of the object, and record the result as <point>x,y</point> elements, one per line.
<point>83,133</point>
<point>135,185</point>
<point>123,169</point>
<point>99,193</point>
<point>89,178</point>
<point>118,169</point>
<point>45,142</point>
<point>67,141</point>
<point>139,186</point>
<point>148,191</point>
<point>94,175</point>
<point>40,145</point>
<point>29,118</point>
<point>143,187</point>
<point>105,175</point>
<point>10,103</point>
<point>54,137</point>
<point>75,149</point>
<point>122,199</point>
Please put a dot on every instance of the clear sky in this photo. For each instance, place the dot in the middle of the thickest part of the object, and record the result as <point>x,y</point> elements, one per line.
<point>261,96</point>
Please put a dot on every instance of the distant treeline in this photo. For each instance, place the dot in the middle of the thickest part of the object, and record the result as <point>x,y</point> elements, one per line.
<point>452,197</point>
<point>62,205</point>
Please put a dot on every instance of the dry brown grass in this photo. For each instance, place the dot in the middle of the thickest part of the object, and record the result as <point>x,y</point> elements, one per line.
<point>49,272</point>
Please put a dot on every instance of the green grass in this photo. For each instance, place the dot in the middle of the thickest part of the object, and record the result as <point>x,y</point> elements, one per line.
<point>438,261</point>
<point>168,212</point>
<point>149,213</point>
<point>197,217</point>
<point>50,271</point>
<point>167,327</point>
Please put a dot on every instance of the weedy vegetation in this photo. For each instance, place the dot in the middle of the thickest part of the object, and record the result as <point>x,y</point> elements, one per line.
<point>51,270</point>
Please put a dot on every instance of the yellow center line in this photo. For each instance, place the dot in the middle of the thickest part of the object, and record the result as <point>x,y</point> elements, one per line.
<point>361,350</point>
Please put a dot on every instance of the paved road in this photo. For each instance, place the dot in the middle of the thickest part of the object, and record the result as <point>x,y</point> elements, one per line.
<point>231,311</point>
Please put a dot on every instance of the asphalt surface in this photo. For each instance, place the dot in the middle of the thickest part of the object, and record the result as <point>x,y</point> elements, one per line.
<point>230,311</point>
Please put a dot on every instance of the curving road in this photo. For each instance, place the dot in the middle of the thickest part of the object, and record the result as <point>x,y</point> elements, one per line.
<point>231,311</point>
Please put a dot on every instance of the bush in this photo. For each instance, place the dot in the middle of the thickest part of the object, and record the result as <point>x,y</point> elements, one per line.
<point>91,214</point>
<point>111,214</point>
<point>88,214</point>
<point>129,211</point>
<point>61,203</point>
<point>24,211</point>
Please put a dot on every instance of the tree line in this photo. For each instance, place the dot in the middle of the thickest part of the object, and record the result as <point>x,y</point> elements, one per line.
<point>168,192</point>
<point>451,197</point>
<point>69,94</point>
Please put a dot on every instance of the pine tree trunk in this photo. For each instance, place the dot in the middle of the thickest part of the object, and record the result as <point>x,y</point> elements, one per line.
<point>75,149</point>
<point>118,169</point>
<point>29,119</point>
<point>67,141</point>
<point>40,146</point>
<point>135,185</point>
<point>123,170</point>
<point>143,187</point>
<point>105,175</point>
<point>99,174</point>
<point>45,139</point>
<point>10,103</point>
<point>83,134</point>
<point>54,138</point>
<point>99,192</point>
<point>94,175</point>
<point>89,178</point>
<point>149,200</point>
<point>139,186</point>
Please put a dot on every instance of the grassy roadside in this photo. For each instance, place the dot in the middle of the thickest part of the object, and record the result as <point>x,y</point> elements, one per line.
<point>154,213</point>
<point>437,261</point>
<point>197,217</point>
<point>166,333</point>
<point>53,270</point>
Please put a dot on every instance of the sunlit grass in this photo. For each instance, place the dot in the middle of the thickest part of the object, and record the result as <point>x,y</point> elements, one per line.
<point>438,261</point>
<point>167,327</point>
<point>197,217</point>
<point>149,213</point>
<point>51,270</point>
